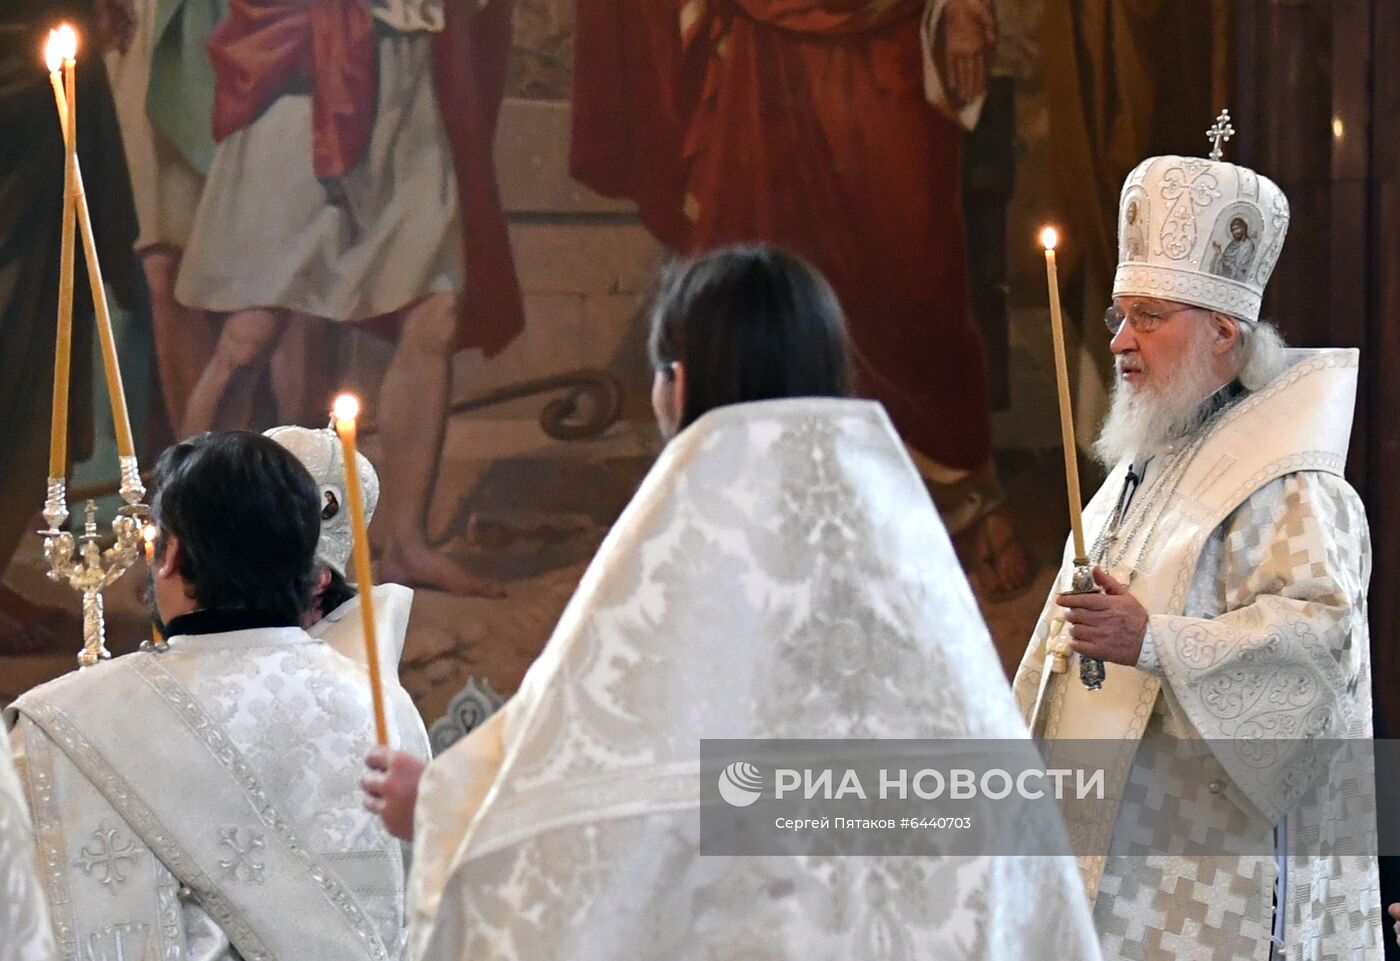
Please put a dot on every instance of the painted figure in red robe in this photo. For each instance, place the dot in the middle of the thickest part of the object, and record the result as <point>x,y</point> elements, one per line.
<point>831,127</point>
<point>354,182</point>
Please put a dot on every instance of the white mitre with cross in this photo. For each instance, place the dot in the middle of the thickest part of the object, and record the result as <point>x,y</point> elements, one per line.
<point>1200,231</point>
<point>320,453</point>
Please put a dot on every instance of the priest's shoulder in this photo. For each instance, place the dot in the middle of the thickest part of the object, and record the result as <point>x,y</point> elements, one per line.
<point>783,411</point>
<point>79,686</point>
<point>788,408</point>
<point>394,597</point>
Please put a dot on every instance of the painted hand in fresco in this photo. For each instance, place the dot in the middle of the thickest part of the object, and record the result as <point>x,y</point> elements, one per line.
<point>968,34</point>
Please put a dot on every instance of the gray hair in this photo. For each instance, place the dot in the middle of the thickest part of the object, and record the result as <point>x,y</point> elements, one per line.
<point>1262,351</point>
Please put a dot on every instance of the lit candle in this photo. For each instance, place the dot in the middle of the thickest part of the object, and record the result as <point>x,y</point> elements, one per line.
<point>54,54</point>
<point>1049,237</point>
<point>345,410</point>
<point>68,46</point>
<point>149,534</point>
<point>64,43</point>
<point>116,393</point>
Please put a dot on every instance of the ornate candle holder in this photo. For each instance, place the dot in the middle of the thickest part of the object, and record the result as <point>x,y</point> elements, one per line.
<point>83,564</point>
<point>1091,669</point>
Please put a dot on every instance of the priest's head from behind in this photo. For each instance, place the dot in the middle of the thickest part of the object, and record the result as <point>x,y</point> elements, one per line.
<point>262,725</point>
<point>743,324</point>
<point>238,519</point>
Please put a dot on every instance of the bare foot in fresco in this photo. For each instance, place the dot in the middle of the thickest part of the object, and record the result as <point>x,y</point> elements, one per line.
<point>425,567</point>
<point>413,424</point>
<point>1002,567</point>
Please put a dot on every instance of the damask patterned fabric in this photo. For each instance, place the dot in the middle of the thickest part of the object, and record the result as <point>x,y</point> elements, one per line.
<point>203,804</point>
<point>24,916</point>
<point>780,573</point>
<point>1201,232</point>
<point>1255,582</point>
<point>340,629</point>
<point>1279,584</point>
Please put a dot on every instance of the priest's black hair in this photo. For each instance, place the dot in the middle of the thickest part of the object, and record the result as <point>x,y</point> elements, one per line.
<point>247,515</point>
<point>338,591</point>
<point>749,323</point>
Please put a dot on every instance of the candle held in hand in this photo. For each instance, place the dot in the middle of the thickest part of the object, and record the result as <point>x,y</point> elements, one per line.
<point>1049,239</point>
<point>345,411</point>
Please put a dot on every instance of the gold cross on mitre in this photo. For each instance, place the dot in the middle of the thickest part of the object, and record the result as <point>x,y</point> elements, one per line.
<point>1220,131</point>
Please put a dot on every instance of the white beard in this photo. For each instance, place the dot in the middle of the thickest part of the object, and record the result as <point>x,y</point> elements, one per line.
<point>1164,407</point>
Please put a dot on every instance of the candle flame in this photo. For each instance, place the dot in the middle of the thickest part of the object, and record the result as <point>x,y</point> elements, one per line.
<point>53,52</point>
<point>67,41</point>
<point>346,407</point>
<point>1049,237</point>
<point>149,533</point>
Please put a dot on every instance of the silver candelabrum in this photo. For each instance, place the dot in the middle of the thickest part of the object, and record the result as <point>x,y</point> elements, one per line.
<point>83,564</point>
